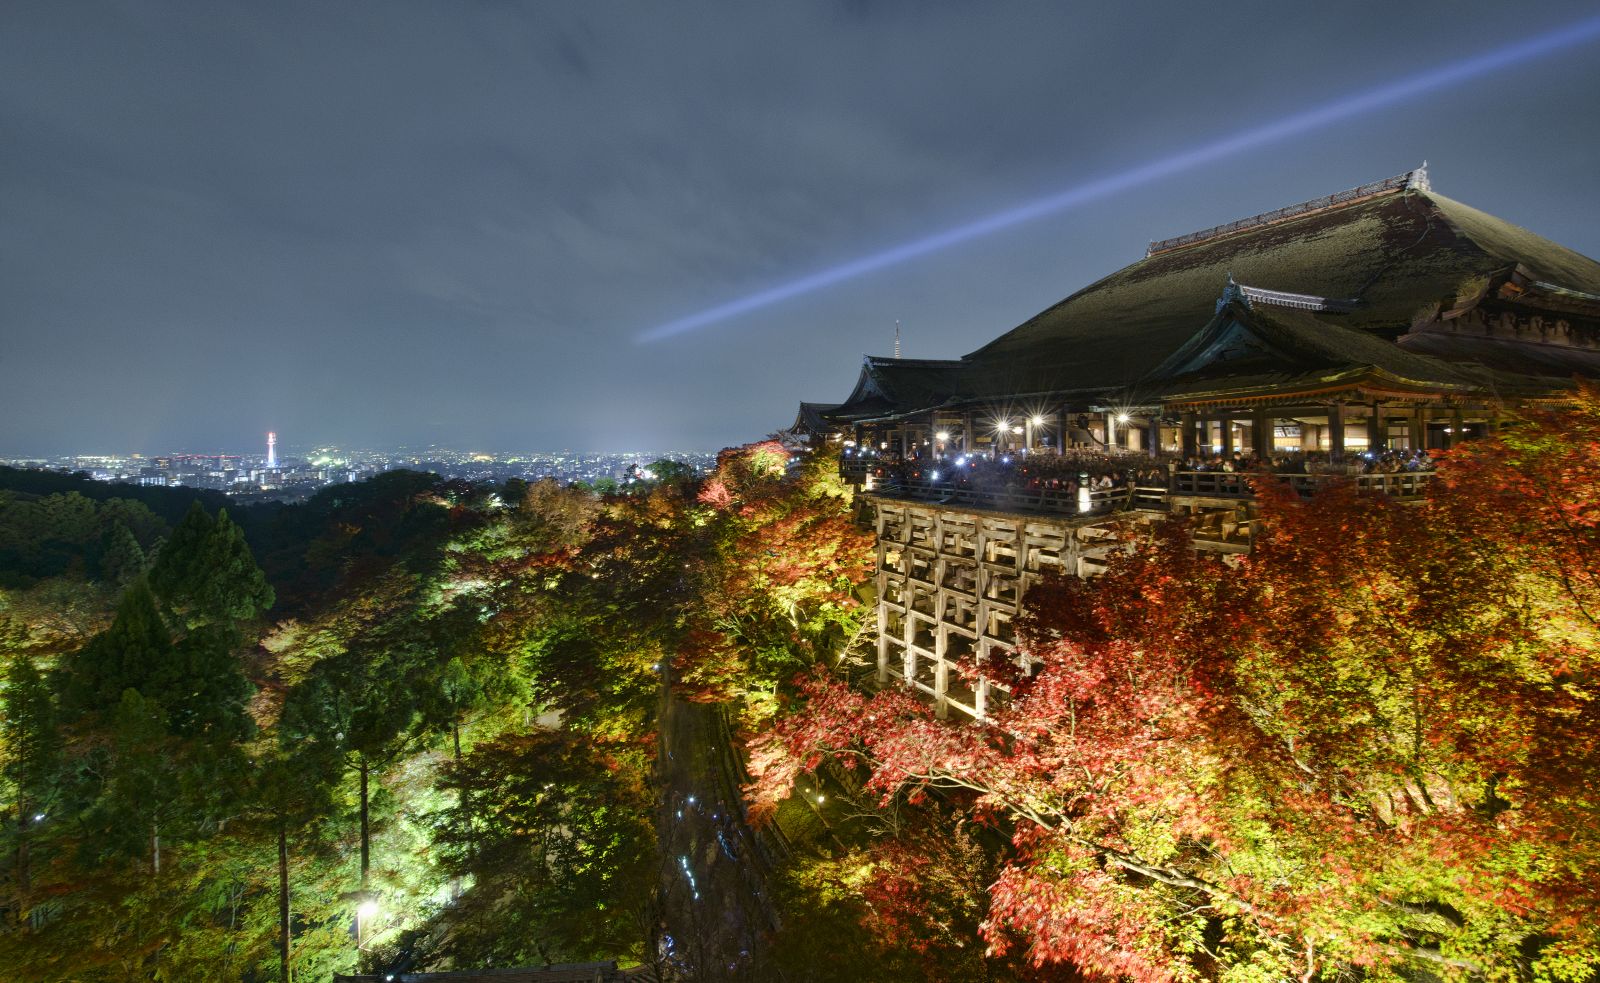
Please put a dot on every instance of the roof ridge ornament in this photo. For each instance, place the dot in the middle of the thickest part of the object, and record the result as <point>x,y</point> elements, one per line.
<point>1417,180</point>
<point>1232,292</point>
<point>1250,296</point>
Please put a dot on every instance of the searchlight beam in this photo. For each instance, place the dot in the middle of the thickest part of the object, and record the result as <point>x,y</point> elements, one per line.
<point>1388,94</point>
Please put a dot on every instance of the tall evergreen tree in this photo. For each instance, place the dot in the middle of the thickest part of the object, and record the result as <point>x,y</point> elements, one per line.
<point>122,560</point>
<point>32,747</point>
<point>361,706</point>
<point>206,573</point>
<point>133,652</point>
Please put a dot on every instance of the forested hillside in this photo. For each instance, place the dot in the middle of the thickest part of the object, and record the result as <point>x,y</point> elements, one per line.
<point>411,723</point>
<point>420,724</point>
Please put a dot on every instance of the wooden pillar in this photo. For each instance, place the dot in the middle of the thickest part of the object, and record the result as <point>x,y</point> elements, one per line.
<point>1456,424</point>
<point>1261,435</point>
<point>1417,428</point>
<point>1376,431</point>
<point>1186,434</point>
<point>883,631</point>
<point>1153,441</point>
<point>1336,432</point>
<point>1226,425</point>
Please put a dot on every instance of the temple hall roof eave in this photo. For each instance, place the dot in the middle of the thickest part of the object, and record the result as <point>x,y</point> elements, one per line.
<point>1368,381</point>
<point>988,402</point>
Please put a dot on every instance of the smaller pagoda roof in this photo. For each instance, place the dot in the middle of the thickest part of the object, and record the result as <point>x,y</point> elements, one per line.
<point>1251,349</point>
<point>812,418</point>
<point>888,385</point>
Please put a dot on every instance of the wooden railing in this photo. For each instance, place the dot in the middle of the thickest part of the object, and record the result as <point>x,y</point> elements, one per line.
<point>1009,498</point>
<point>1224,484</point>
<point>1195,484</point>
<point>855,468</point>
<point>1211,484</point>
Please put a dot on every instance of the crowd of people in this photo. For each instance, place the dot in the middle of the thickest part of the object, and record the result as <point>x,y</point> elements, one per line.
<point>1065,473</point>
<point>1316,462</point>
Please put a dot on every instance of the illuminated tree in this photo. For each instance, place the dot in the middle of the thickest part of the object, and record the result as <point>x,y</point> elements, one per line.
<point>554,832</point>
<point>777,562</point>
<point>1365,748</point>
<point>358,708</point>
<point>32,768</point>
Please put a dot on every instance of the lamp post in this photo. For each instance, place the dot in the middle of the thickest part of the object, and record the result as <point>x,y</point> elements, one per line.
<point>366,911</point>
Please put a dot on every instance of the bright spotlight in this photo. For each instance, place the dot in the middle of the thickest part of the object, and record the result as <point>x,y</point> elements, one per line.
<point>367,910</point>
<point>942,436</point>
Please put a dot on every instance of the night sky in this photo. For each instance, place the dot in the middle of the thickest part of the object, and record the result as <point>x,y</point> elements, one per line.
<point>381,223</point>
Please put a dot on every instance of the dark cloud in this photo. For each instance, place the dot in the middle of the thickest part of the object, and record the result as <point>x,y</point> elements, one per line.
<point>392,222</point>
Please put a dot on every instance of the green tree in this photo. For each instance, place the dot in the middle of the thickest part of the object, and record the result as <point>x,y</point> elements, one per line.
<point>558,844</point>
<point>206,572</point>
<point>141,784</point>
<point>122,560</point>
<point>32,747</point>
<point>197,681</point>
<point>135,650</point>
<point>289,795</point>
<point>358,708</point>
<point>670,472</point>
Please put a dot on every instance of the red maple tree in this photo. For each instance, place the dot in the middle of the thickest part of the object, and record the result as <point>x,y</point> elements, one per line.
<point>1375,742</point>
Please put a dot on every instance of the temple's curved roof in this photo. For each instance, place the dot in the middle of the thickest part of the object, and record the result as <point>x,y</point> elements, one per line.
<point>1400,255</point>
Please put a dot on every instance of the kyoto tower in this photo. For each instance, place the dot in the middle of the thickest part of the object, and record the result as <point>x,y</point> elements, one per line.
<point>272,450</point>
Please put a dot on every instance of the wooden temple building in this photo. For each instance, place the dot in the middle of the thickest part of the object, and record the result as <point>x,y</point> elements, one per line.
<point>1386,318</point>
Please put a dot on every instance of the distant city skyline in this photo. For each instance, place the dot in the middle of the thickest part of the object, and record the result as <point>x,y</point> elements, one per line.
<point>291,452</point>
<point>452,224</point>
<point>292,449</point>
<point>250,478</point>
